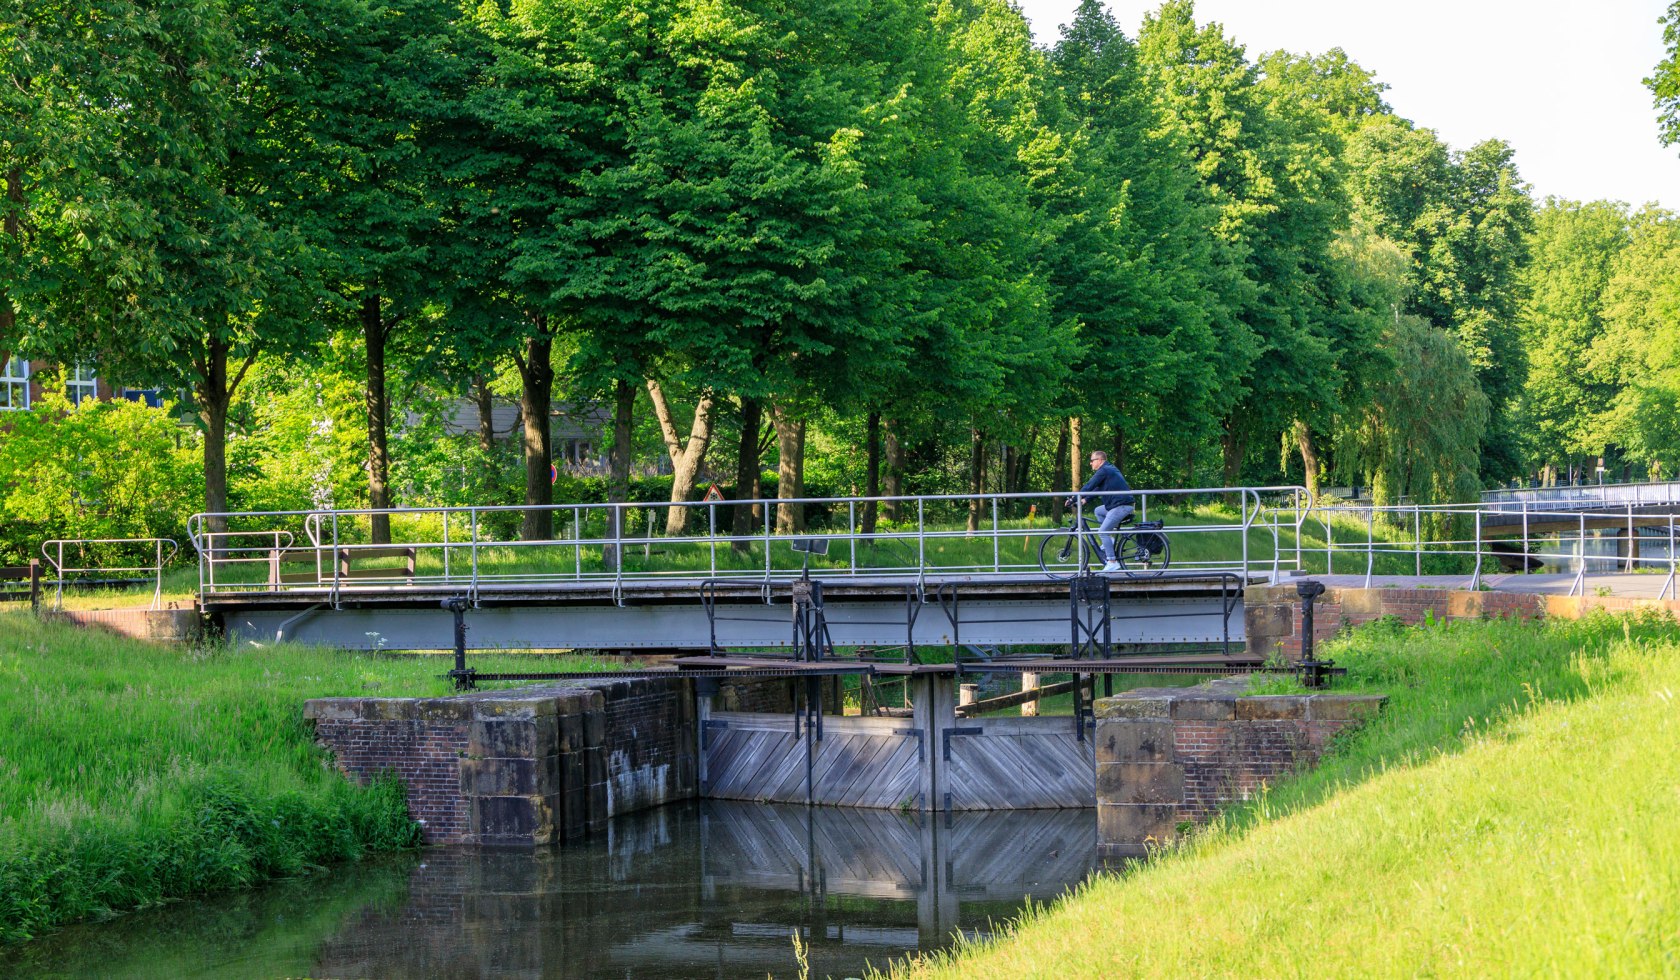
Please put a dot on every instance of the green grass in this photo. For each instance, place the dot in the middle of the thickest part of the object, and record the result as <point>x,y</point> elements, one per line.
<point>133,773</point>
<point>1515,811</point>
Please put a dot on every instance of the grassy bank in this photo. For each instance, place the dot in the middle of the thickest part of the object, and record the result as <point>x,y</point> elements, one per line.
<point>131,773</point>
<point>1515,811</point>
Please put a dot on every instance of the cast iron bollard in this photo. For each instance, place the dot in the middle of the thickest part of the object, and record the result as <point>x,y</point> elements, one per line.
<point>1314,672</point>
<point>461,675</point>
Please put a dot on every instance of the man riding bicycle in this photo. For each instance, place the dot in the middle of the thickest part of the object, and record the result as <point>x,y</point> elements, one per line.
<point>1115,503</point>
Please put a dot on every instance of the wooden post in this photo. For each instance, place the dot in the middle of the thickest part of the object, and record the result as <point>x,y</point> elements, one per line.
<point>967,694</point>
<point>1029,682</point>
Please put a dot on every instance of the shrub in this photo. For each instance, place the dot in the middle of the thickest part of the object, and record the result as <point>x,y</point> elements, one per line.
<point>114,469</point>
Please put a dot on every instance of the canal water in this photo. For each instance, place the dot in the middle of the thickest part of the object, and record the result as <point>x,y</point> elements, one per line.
<point>712,889</point>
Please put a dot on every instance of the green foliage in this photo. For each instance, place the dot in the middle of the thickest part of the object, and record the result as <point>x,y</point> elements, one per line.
<point>1664,82</point>
<point>95,470</point>
<point>1420,432</point>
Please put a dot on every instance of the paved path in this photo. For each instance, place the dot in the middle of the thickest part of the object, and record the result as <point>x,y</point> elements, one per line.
<point>1640,586</point>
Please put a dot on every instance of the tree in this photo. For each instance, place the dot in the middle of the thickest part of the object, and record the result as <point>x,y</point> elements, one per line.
<point>1572,250</point>
<point>366,193</point>
<point>1664,82</point>
<point>1421,432</point>
<point>209,271</point>
<point>1639,351</point>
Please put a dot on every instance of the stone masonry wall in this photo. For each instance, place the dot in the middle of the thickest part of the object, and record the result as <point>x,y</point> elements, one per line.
<point>523,766</point>
<point>1167,756</point>
<point>1272,614</point>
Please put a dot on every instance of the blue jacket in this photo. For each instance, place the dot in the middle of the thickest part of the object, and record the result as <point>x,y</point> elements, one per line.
<point>1108,477</point>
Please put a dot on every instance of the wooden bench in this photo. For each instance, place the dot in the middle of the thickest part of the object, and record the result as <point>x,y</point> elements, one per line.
<point>347,557</point>
<point>279,558</point>
<point>30,573</point>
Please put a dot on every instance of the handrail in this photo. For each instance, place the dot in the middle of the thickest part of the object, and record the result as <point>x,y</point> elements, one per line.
<point>160,560</point>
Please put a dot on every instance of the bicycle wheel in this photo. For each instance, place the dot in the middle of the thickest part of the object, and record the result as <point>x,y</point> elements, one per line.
<point>1060,556</point>
<point>1144,553</point>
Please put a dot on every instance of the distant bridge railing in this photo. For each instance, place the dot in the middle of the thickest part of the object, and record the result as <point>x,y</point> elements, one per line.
<point>470,549</point>
<point>87,563</point>
<point>1472,539</point>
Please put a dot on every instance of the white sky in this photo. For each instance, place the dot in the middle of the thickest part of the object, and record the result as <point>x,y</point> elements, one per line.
<point>1560,80</point>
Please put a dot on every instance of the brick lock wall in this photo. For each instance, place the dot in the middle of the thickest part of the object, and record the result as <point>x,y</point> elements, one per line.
<point>1272,614</point>
<point>425,756</point>
<point>1166,756</point>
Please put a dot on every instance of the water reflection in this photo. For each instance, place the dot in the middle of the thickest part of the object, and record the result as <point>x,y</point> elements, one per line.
<point>702,890</point>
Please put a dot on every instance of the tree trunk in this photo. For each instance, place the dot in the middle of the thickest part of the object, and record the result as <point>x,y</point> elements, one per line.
<point>871,470</point>
<point>976,477</point>
<point>1309,457</point>
<point>790,437</point>
<point>618,477</point>
<point>486,414</point>
<point>1235,448</point>
<point>12,228</point>
<point>893,481</point>
<point>379,460</point>
<point>1076,454</point>
<point>214,393</point>
<point>1060,476</point>
<point>685,465</point>
<point>536,397</point>
<point>747,472</point>
<point>1117,455</point>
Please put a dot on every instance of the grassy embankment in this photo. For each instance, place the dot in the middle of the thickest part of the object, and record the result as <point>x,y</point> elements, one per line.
<point>1515,811</point>
<point>131,774</point>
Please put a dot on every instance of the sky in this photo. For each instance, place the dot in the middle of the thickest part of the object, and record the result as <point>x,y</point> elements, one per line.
<point>1559,81</point>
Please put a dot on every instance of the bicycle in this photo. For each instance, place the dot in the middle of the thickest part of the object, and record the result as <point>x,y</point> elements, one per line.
<point>1140,548</point>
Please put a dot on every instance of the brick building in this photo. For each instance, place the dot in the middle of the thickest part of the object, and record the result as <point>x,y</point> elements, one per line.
<point>23,382</point>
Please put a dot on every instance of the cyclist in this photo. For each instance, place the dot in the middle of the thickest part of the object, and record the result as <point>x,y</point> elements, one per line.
<point>1115,503</point>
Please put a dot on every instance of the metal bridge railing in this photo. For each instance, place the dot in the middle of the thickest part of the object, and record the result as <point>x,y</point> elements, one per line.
<point>469,549</point>
<point>1519,533</point>
<point>54,552</point>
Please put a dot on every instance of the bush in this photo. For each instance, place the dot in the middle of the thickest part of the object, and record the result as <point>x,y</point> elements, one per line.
<point>114,469</point>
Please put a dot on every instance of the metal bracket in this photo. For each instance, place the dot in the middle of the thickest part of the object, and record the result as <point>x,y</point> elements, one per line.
<point>920,742</point>
<point>708,726</point>
<point>951,733</point>
<point>1089,612</point>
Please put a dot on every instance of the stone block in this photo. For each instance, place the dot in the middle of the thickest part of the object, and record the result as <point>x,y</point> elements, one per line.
<point>502,739</point>
<point>443,710</point>
<point>572,773</point>
<point>1148,782</point>
<point>594,766</point>
<point>548,775</point>
<point>389,709</point>
<point>1464,605</point>
<point>1271,620</point>
<point>570,731</point>
<point>1124,740</point>
<point>574,812</point>
<point>508,709</point>
<point>505,819</point>
<point>499,777</point>
<point>1130,705</point>
<point>1136,824</point>
<point>1277,708</point>
<point>1204,708</point>
<point>595,726</point>
<point>1344,707</point>
<point>1358,603</point>
<point>333,709</point>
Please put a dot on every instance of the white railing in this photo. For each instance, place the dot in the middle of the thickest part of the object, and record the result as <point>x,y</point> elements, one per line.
<point>470,549</point>
<point>53,550</point>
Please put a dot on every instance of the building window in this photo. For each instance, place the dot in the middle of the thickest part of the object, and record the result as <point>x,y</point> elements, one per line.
<point>150,397</point>
<point>81,383</point>
<point>14,386</point>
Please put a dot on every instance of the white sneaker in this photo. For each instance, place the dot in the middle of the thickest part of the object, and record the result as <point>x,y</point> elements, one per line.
<point>1112,566</point>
